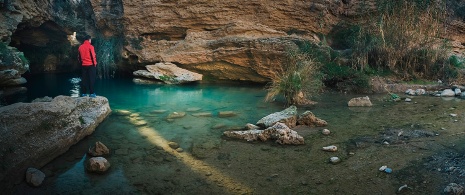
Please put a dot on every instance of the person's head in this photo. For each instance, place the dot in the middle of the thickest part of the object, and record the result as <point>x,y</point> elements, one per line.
<point>88,37</point>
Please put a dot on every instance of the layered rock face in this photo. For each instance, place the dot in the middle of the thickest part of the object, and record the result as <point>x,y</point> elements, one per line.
<point>233,40</point>
<point>33,134</point>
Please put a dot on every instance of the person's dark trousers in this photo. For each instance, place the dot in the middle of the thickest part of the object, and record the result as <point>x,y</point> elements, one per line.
<point>88,79</point>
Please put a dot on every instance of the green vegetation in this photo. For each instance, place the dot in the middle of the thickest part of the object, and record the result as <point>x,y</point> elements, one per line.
<point>403,38</point>
<point>167,78</point>
<point>296,80</point>
<point>81,120</point>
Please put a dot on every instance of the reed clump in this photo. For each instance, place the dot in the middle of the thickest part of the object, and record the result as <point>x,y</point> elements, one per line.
<point>297,79</point>
<point>406,38</point>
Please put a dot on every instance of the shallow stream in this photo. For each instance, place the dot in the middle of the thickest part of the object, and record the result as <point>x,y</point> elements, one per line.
<point>415,139</point>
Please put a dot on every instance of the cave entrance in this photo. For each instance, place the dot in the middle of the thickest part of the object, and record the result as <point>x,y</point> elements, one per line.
<point>49,48</point>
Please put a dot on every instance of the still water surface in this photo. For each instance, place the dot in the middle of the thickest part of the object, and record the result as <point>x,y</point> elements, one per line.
<point>141,162</point>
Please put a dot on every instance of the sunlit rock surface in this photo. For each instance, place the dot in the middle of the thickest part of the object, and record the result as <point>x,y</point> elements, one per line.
<point>287,116</point>
<point>168,73</point>
<point>279,132</point>
<point>33,134</point>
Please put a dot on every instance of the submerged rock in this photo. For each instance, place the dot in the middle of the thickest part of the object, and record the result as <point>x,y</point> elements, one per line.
<point>309,119</point>
<point>360,102</point>
<point>454,189</point>
<point>99,149</point>
<point>34,177</point>
<point>176,115</point>
<point>97,165</point>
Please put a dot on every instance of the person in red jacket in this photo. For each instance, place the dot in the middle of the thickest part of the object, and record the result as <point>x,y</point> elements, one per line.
<point>88,61</point>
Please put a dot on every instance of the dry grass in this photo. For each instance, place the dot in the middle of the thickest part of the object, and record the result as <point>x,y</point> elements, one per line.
<point>406,39</point>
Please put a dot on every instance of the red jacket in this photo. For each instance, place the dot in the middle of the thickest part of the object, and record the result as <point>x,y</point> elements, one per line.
<point>87,54</point>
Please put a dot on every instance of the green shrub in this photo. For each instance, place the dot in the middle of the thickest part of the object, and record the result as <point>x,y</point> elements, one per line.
<point>456,61</point>
<point>297,79</point>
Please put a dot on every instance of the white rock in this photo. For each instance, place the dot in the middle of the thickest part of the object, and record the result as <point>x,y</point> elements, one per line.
<point>457,91</point>
<point>447,93</point>
<point>453,115</point>
<point>325,132</point>
<point>331,148</point>
<point>420,92</point>
<point>408,99</point>
<point>410,92</point>
<point>334,159</point>
<point>382,168</point>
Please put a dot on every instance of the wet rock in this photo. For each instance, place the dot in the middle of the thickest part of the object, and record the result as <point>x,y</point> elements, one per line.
<point>203,114</point>
<point>334,160</point>
<point>454,189</point>
<point>309,119</point>
<point>158,111</point>
<point>250,126</point>
<point>447,93</point>
<point>173,145</point>
<point>97,165</point>
<point>34,177</point>
<point>224,114</point>
<point>176,115</point>
<point>99,149</point>
<point>360,102</point>
<point>325,132</point>
<point>280,132</point>
<point>195,109</point>
<point>457,91</point>
<point>287,116</point>
<point>122,112</point>
<point>218,126</point>
<point>331,148</point>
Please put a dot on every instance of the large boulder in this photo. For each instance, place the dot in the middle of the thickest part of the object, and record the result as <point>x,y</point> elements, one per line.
<point>287,116</point>
<point>279,132</point>
<point>168,73</point>
<point>33,134</point>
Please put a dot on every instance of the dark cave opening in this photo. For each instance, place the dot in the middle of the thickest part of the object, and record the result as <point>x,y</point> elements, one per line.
<point>47,47</point>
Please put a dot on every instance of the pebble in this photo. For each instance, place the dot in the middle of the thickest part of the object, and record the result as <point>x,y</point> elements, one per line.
<point>382,168</point>
<point>453,115</point>
<point>325,132</point>
<point>331,148</point>
<point>335,160</point>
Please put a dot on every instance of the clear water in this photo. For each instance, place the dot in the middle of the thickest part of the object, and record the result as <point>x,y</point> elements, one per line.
<point>143,163</point>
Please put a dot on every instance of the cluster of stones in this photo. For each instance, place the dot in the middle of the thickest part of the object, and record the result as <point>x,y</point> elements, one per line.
<point>455,91</point>
<point>278,126</point>
<point>96,164</point>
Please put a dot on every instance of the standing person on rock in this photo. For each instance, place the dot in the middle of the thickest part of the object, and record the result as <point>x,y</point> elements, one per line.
<point>88,60</point>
